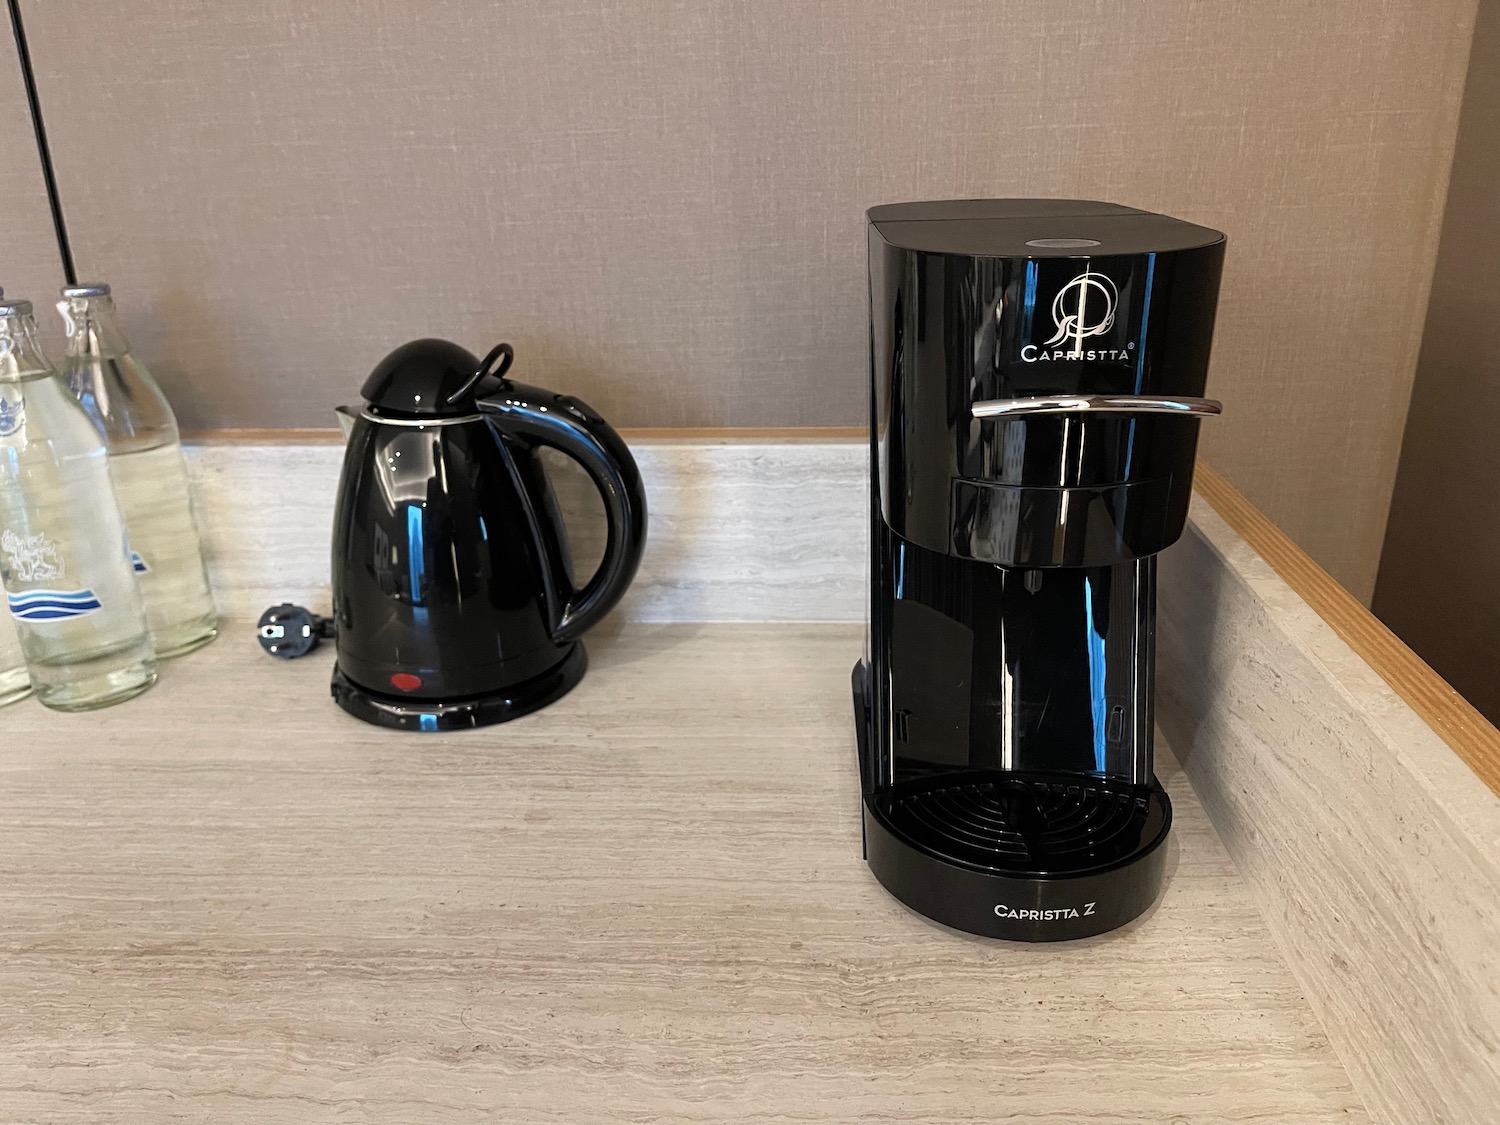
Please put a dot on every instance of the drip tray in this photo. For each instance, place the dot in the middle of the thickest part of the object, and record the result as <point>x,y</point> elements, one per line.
<point>1031,856</point>
<point>1032,823</point>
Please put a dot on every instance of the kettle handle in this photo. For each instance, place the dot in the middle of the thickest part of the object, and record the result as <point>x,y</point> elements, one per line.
<point>537,417</point>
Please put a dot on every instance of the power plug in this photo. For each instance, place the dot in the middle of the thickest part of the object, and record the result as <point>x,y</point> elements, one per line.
<point>288,631</point>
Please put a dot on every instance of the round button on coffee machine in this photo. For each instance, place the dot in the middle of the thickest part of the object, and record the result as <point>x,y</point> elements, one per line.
<point>1062,243</point>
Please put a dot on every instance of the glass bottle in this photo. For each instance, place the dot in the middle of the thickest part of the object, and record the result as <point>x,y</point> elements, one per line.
<point>15,681</point>
<point>145,458</point>
<point>64,561</point>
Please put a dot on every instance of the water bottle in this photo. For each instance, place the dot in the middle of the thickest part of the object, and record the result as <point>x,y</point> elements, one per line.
<point>15,681</point>
<point>64,560</point>
<point>145,459</point>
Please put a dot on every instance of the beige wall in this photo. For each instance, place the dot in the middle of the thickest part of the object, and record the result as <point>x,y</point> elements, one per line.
<point>30,266</point>
<point>661,204</point>
<point>1439,586</point>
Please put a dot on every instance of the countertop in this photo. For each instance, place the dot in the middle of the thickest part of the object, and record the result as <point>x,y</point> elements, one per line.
<point>227,901</point>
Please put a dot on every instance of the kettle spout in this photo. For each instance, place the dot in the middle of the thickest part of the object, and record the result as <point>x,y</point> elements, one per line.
<point>347,417</point>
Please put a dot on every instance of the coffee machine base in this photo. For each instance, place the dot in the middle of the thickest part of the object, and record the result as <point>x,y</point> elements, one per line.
<point>406,713</point>
<point>1024,856</point>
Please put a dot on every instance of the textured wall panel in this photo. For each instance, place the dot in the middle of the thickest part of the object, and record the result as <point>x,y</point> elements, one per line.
<point>737,530</point>
<point>1440,575</point>
<point>30,265</point>
<point>661,203</point>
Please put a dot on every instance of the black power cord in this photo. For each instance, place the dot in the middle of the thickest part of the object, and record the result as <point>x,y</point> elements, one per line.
<point>43,151</point>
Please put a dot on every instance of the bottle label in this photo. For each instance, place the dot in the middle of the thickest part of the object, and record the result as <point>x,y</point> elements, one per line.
<point>53,605</point>
<point>139,563</point>
<point>32,558</point>
<point>12,416</point>
<point>35,558</point>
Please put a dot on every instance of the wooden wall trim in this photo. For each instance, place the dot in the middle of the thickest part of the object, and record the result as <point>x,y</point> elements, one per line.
<point>1459,724</point>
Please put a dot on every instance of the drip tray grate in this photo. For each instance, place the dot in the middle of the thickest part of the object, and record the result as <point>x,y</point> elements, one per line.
<point>1026,823</point>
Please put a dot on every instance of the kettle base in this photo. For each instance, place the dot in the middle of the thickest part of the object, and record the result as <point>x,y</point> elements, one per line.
<point>405,713</point>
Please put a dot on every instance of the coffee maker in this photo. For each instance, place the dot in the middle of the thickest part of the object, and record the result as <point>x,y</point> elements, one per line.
<point>1036,373</point>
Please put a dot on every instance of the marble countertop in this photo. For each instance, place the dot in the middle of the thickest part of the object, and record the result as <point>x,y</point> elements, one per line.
<point>227,901</point>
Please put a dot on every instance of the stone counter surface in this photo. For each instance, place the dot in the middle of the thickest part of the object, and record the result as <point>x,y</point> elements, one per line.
<point>228,902</point>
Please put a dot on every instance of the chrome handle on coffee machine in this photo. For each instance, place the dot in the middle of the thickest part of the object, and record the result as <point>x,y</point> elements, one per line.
<point>1096,404</point>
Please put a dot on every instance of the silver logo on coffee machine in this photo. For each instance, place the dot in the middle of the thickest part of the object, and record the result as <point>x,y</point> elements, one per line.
<point>1084,307</point>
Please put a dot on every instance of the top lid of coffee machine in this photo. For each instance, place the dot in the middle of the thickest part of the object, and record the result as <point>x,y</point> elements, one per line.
<point>1034,228</point>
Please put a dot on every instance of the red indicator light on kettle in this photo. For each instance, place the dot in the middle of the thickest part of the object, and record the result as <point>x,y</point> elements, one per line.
<point>405,681</point>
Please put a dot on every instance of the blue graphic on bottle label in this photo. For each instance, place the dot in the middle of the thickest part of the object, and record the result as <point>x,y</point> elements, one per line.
<point>12,417</point>
<point>53,605</point>
<point>139,563</point>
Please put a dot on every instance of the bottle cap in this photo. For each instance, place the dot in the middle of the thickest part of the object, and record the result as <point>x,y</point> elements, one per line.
<point>91,289</point>
<point>15,308</point>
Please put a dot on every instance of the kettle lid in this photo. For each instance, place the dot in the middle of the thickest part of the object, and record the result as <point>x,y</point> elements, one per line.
<point>423,379</point>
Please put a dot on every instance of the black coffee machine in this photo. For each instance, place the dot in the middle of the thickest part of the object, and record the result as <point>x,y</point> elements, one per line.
<point>1036,367</point>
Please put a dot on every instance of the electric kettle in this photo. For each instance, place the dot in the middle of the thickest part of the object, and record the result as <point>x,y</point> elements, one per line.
<point>453,596</point>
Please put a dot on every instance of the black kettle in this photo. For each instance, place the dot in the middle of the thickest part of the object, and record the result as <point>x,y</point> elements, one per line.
<point>452,585</point>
